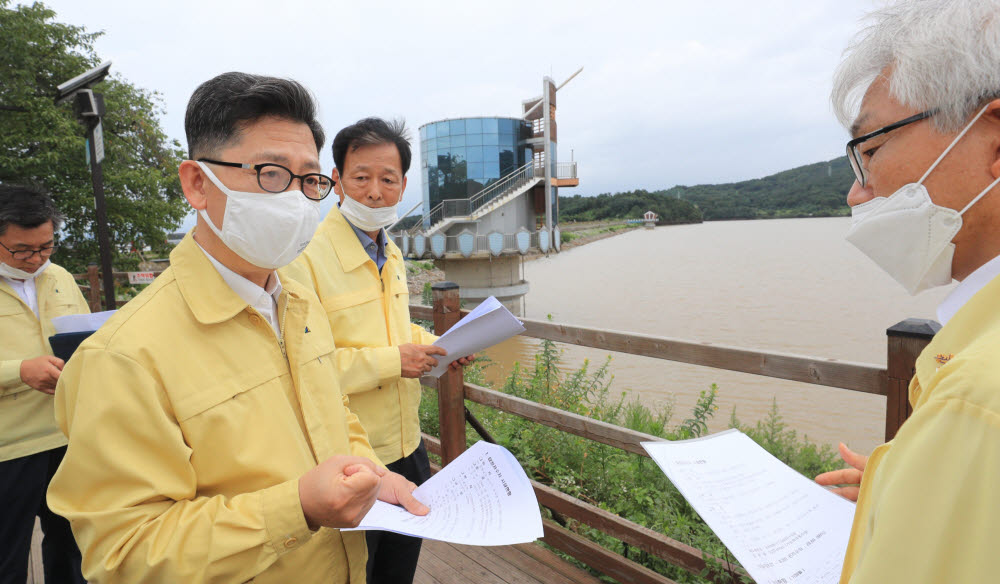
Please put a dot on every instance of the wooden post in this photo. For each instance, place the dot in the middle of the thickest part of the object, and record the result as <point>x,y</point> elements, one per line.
<point>451,385</point>
<point>94,277</point>
<point>905,342</point>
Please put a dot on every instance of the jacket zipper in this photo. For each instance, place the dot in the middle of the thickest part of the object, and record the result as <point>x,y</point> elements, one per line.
<point>281,331</point>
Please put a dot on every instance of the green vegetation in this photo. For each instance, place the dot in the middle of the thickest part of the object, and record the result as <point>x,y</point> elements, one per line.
<point>630,205</point>
<point>814,190</point>
<point>569,236</point>
<point>42,143</point>
<point>414,267</point>
<point>628,485</point>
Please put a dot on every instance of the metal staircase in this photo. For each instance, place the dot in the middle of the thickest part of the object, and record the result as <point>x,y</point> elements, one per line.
<point>505,190</point>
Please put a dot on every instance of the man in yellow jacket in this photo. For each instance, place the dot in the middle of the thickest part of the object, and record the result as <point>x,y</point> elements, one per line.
<point>360,277</point>
<point>208,437</point>
<point>32,291</point>
<point>925,150</point>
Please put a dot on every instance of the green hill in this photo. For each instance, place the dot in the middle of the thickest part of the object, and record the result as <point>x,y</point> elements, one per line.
<point>814,190</point>
<point>629,205</point>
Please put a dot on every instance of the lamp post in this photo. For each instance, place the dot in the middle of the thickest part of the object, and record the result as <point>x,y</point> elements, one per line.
<point>89,108</point>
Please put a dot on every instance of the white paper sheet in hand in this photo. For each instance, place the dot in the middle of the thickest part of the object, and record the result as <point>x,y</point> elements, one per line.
<point>81,323</point>
<point>482,498</point>
<point>484,326</point>
<point>781,526</point>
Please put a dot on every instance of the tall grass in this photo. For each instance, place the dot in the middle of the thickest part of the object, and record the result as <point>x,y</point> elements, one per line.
<point>626,484</point>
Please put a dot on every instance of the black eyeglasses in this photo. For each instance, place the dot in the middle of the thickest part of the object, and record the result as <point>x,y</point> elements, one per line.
<point>275,178</point>
<point>854,153</point>
<point>23,254</point>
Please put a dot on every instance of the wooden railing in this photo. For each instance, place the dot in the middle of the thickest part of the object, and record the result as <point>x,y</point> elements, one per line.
<point>93,290</point>
<point>904,343</point>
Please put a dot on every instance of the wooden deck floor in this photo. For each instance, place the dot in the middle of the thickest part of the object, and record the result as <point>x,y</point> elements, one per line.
<point>445,563</point>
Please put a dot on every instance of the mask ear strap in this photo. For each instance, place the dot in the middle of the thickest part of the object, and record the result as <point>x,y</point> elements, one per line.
<point>952,145</point>
<point>979,196</point>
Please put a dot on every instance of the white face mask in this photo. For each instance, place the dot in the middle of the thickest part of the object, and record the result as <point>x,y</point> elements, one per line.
<point>269,230</point>
<point>364,217</point>
<point>907,235</point>
<point>16,274</point>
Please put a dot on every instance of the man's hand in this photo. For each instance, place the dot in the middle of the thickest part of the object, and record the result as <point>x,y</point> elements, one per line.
<point>399,491</point>
<point>462,362</point>
<point>851,477</point>
<point>339,491</point>
<point>42,373</point>
<point>416,360</point>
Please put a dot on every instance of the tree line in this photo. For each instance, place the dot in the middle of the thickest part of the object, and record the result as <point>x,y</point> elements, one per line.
<point>42,143</point>
<point>813,190</point>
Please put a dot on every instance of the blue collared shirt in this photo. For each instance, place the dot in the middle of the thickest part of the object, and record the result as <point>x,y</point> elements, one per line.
<point>374,248</point>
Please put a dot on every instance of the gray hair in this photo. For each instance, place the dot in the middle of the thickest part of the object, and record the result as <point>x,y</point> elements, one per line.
<point>943,54</point>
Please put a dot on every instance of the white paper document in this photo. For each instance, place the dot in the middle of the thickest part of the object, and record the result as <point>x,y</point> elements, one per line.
<point>482,498</point>
<point>81,323</point>
<point>782,527</point>
<point>486,325</point>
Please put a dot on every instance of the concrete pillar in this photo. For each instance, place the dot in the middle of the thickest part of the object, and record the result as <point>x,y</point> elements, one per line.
<point>480,278</point>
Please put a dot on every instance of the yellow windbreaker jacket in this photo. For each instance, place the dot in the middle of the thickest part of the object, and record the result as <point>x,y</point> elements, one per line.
<point>369,316</point>
<point>188,430</point>
<point>27,425</point>
<point>928,509</point>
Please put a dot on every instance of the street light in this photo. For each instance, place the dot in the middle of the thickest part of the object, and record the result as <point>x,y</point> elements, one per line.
<point>89,108</point>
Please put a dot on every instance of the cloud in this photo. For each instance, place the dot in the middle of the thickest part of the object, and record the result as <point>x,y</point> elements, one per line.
<point>672,93</point>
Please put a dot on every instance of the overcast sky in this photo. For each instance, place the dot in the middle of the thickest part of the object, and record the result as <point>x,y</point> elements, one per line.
<point>671,92</point>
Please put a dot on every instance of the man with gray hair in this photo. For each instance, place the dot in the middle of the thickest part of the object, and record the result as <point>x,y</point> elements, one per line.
<point>920,92</point>
<point>360,277</point>
<point>208,437</point>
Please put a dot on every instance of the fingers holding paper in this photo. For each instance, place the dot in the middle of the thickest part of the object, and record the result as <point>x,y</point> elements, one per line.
<point>417,360</point>
<point>397,490</point>
<point>462,362</point>
<point>849,478</point>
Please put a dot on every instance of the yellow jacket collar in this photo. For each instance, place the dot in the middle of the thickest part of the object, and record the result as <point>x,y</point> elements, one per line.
<point>211,300</point>
<point>345,242</point>
<point>39,280</point>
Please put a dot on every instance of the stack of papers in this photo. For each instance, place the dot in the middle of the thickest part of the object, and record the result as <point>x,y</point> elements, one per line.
<point>80,323</point>
<point>482,498</point>
<point>487,324</point>
<point>780,525</point>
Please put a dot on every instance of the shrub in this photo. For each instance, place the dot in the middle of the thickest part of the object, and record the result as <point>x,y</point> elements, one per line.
<point>626,484</point>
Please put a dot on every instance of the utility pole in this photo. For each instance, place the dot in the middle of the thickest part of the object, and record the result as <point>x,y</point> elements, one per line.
<point>89,108</point>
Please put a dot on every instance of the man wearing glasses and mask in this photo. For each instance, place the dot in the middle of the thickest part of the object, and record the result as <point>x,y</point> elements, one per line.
<point>208,437</point>
<point>32,291</point>
<point>360,277</point>
<point>925,208</point>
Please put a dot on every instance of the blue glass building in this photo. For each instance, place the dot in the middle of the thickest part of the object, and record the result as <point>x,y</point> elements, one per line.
<point>460,157</point>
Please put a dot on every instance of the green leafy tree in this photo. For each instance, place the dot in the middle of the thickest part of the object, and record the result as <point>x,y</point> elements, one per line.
<point>814,190</point>
<point>43,143</point>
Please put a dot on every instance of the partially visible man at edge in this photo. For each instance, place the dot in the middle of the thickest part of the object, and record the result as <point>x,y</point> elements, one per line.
<point>32,292</point>
<point>360,277</point>
<point>925,150</point>
<point>208,438</point>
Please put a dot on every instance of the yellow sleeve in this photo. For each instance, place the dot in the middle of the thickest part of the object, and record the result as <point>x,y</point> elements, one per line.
<point>421,336</point>
<point>364,369</point>
<point>10,375</point>
<point>357,435</point>
<point>936,518</point>
<point>128,488</point>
